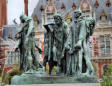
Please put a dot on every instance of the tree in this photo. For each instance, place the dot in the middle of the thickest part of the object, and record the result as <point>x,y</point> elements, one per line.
<point>107,77</point>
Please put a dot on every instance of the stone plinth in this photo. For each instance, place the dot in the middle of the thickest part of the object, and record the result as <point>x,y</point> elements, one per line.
<point>46,79</point>
<point>76,84</point>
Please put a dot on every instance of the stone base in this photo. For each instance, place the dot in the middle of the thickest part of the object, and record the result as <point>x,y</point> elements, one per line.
<point>76,84</point>
<point>46,79</point>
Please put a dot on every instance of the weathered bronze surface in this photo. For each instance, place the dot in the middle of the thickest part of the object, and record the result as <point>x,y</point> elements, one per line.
<point>64,47</point>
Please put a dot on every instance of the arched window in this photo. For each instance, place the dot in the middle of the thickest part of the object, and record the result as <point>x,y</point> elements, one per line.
<point>9,57</point>
<point>105,45</point>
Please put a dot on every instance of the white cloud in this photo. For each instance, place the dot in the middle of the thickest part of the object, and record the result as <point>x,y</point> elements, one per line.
<point>16,7</point>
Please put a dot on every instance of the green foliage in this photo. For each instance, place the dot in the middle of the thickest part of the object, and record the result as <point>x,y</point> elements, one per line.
<point>7,76</point>
<point>107,78</point>
<point>94,67</point>
<point>0,77</point>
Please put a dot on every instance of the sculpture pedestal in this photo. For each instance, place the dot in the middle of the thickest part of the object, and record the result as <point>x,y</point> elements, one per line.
<point>46,79</point>
<point>76,84</point>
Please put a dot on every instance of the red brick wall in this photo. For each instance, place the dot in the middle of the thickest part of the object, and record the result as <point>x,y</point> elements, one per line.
<point>3,12</point>
<point>0,14</point>
<point>100,67</point>
<point>3,21</point>
<point>4,7</point>
<point>2,56</point>
<point>26,6</point>
<point>8,68</point>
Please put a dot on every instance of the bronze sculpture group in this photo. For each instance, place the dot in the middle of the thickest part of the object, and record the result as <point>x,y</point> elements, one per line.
<point>69,46</point>
<point>64,47</point>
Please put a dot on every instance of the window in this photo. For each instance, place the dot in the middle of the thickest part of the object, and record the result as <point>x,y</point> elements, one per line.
<point>12,57</point>
<point>16,57</point>
<point>105,45</point>
<point>9,61</point>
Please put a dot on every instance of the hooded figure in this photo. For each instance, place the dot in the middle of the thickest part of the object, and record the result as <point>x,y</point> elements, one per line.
<point>26,45</point>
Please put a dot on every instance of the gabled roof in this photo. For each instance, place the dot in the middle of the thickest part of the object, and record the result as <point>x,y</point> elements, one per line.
<point>68,4</point>
<point>9,30</point>
<point>50,8</point>
<point>85,5</point>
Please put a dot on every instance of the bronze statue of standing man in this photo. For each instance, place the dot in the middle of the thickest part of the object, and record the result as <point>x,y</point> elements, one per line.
<point>26,45</point>
<point>61,31</point>
<point>58,36</point>
<point>77,45</point>
<point>73,62</point>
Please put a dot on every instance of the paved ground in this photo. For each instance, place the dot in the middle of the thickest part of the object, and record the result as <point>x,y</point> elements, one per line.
<point>82,84</point>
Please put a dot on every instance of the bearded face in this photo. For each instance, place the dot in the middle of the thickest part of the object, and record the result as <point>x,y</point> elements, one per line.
<point>91,22</point>
<point>23,17</point>
<point>57,20</point>
<point>77,15</point>
<point>22,20</point>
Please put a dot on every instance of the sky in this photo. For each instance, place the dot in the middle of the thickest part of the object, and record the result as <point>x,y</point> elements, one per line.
<point>16,7</point>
